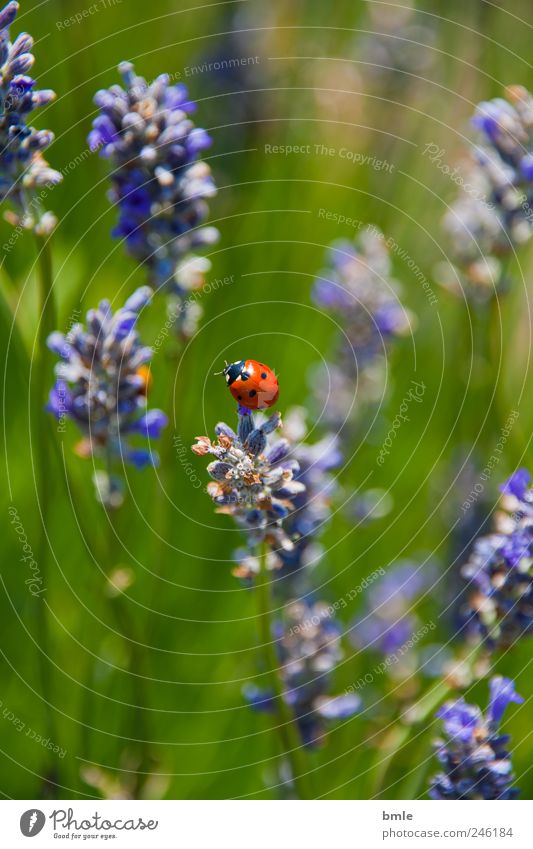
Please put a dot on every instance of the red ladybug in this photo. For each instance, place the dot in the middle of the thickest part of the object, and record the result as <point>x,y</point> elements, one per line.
<point>252,384</point>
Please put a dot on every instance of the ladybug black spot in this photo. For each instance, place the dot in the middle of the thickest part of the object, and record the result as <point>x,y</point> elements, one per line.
<point>252,393</point>
<point>239,397</point>
<point>263,375</point>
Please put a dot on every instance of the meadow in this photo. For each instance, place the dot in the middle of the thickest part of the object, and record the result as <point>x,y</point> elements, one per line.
<point>134,633</point>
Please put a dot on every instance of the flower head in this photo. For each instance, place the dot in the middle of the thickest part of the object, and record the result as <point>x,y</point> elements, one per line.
<point>388,621</point>
<point>475,762</point>
<point>312,506</point>
<point>309,649</point>
<point>357,285</point>
<point>253,477</point>
<point>502,693</point>
<point>308,643</point>
<point>158,181</point>
<point>23,168</point>
<point>102,382</point>
<point>358,289</point>
<point>496,215</point>
<point>500,571</point>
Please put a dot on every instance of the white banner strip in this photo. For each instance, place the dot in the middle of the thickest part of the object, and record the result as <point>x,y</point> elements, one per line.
<point>264,825</point>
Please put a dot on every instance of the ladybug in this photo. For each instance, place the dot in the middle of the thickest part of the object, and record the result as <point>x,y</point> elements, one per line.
<point>252,384</point>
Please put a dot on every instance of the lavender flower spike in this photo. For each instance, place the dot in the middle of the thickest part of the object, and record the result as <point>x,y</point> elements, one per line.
<point>358,289</point>
<point>495,216</point>
<point>388,622</point>
<point>102,383</point>
<point>309,650</point>
<point>253,478</point>
<point>475,762</point>
<point>500,571</point>
<point>23,169</point>
<point>159,184</point>
<point>311,508</point>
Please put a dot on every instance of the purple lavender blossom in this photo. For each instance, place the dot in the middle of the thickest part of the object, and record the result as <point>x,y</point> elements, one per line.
<point>312,506</point>
<point>253,478</point>
<point>496,215</point>
<point>388,620</point>
<point>308,643</point>
<point>500,571</point>
<point>476,764</point>
<point>517,484</point>
<point>358,289</point>
<point>258,480</point>
<point>102,382</point>
<point>159,184</point>
<point>23,169</point>
<point>357,284</point>
<point>310,511</point>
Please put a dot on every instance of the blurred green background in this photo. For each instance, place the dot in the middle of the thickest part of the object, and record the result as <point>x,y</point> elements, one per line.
<point>314,80</point>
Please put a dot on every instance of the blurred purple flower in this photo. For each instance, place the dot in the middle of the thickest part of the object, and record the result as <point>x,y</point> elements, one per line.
<point>23,168</point>
<point>102,382</point>
<point>496,215</point>
<point>499,572</point>
<point>358,288</point>
<point>475,762</point>
<point>308,643</point>
<point>388,620</point>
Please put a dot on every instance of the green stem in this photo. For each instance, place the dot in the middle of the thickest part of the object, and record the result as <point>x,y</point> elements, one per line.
<point>136,665</point>
<point>400,733</point>
<point>94,553</point>
<point>163,503</point>
<point>290,741</point>
<point>43,444</point>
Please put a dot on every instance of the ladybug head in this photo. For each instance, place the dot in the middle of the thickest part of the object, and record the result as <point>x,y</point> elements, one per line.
<point>233,371</point>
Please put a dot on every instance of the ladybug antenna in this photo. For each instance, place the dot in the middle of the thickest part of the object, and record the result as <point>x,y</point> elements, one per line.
<point>217,373</point>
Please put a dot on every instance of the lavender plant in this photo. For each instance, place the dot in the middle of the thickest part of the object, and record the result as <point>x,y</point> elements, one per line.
<point>23,168</point>
<point>474,757</point>
<point>277,493</point>
<point>489,221</point>
<point>494,217</point>
<point>317,463</point>
<point>388,620</point>
<point>158,182</point>
<point>309,649</point>
<point>357,287</point>
<point>499,572</point>
<point>102,383</point>
<point>25,180</point>
<point>25,176</point>
<point>252,480</point>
